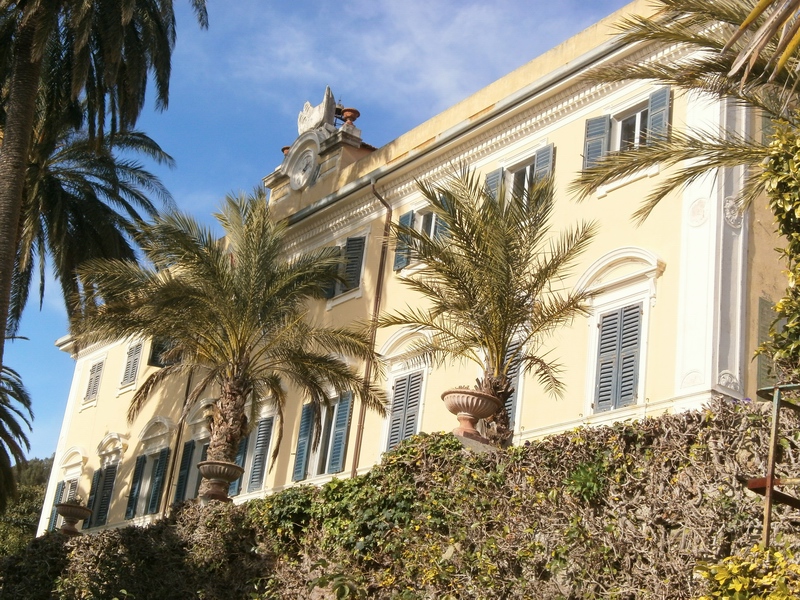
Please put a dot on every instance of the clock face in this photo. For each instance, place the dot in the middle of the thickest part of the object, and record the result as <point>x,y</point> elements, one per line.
<point>302,169</point>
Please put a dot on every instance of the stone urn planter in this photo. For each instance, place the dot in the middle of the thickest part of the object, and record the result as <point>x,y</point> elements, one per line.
<point>72,513</point>
<point>220,474</point>
<point>469,406</point>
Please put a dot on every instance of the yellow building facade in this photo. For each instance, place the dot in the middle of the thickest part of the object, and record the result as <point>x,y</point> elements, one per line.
<point>679,306</point>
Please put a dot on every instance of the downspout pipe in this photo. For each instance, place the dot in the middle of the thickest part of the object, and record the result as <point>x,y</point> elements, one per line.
<point>174,458</point>
<point>376,307</point>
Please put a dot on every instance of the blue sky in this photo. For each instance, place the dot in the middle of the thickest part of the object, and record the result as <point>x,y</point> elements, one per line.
<point>237,88</point>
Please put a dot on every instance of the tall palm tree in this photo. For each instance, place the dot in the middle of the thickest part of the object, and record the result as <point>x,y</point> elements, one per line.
<point>106,50</point>
<point>493,275</point>
<point>82,200</point>
<point>234,312</point>
<point>702,28</point>
<point>15,409</point>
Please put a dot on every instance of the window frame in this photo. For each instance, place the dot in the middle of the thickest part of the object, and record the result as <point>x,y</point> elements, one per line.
<point>318,460</point>
<point>338,294</point>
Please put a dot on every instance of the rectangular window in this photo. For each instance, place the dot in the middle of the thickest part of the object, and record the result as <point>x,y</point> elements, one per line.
<point>424,221</point>
<point>630,129</point>
<point>132,364</point>
<point>619,343</point>
<point>539,166</point>
<point>136,486</point>
<point>328,457</point>
<point>241,455</point>
<point>406,397</point>
<point>258,468</point>
<point>65,491</point>
<point>94,381</point>
<point>353,260</point>
<point>184,471</point>
<point>157,349</point>
<point>157,474</point>
<point>100,495</point>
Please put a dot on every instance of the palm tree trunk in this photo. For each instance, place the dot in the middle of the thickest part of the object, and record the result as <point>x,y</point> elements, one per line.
<point>228,423</point>
<point>21,110</point>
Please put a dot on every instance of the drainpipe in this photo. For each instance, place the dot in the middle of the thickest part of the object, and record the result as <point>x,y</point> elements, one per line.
<point>376,307</point>
<point>174,458</point>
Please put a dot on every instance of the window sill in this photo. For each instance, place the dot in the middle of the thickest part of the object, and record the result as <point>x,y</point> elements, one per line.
<point>124,389</point>
<point>344,297</point>
<point>86,404</point>
<point>604,190</point>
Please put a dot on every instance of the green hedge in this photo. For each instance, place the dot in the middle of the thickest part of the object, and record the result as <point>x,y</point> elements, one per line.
<point>625,512</point>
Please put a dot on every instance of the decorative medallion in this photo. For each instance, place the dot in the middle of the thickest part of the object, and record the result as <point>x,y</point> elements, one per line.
<point>733,212</point>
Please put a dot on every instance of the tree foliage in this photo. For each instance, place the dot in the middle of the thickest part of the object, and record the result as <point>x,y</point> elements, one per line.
<point>493,276</point>
<point>233,313</point>
<point>15,418</point>
<point>20,520</point>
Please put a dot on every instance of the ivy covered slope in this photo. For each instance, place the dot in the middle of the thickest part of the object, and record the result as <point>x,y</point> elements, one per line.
<point>611,512</point>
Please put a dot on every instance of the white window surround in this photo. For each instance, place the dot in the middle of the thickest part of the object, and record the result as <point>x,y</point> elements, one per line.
<point>112,448</point>
<point>265,413</point>
<point>420,208</point>
<point>86,402</point>
<point>400,362</point>
<point>637,271</point>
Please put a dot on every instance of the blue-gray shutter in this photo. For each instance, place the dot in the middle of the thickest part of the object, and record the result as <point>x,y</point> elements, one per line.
<point>109,475</point>
<point>405,408</point>
<point>94,380</point>
<point>184,470</point>
<point>341,427</point>
<point>440,227</point>
<point>203,456</point>
<point>630,342</point>
<point>136,486</point>
<point>607,359</point>
<point>132,363</point>
<point>260,454</point>
<point>241,455</point>
<point>598,140</point>
<point>493,180</point>
<point>402,253</point>
<point>303,443</point>
<point>157,484</point>
<point>513,377</point>
<point>92,502</point>
<point>658,115</point>
<point>330,290</point>
<point>353,257</point>
<point>618,358</point>
<point>543,166</point>
<point>56,499</point>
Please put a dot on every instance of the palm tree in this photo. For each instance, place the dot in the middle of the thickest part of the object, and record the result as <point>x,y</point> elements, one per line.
<point>493,275</point>
<point>781,20</point>
<point>15,406</point>
<point>81,200</point>
<point>104,51</point>
<point>234,312</point>
<point>702,28</point>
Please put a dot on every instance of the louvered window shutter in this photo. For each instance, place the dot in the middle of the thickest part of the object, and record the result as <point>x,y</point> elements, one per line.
<point>513,377</point>
<point>184,470</point>
<point>545,158</point>
<point>72,489</point>
<point>330,290</point>
<point>94,380</point>
<point>136,485</point>
<point>56,499</point>
<point>598,140</point>
<point>109,475</point>
<point>405,408</point>
<point>157,483</point>
<point>303,443</point>
<point>658,115</point>
<point>341,426</point>
<point>618,358</point>
<point>260,454</point>
<point>402,252</point>
<point>493,180</point>
<point>440,227</point>
<point>241,455</point>
<point>132,363</point>
<point>608,357</point>
<point>92,502</point>
<point>203,456</point>
<point>353,257</point>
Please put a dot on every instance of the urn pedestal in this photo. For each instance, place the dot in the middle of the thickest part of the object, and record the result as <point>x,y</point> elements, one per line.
<point>469,406</point>
<point>220,474</point>
<point>72,513</point>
